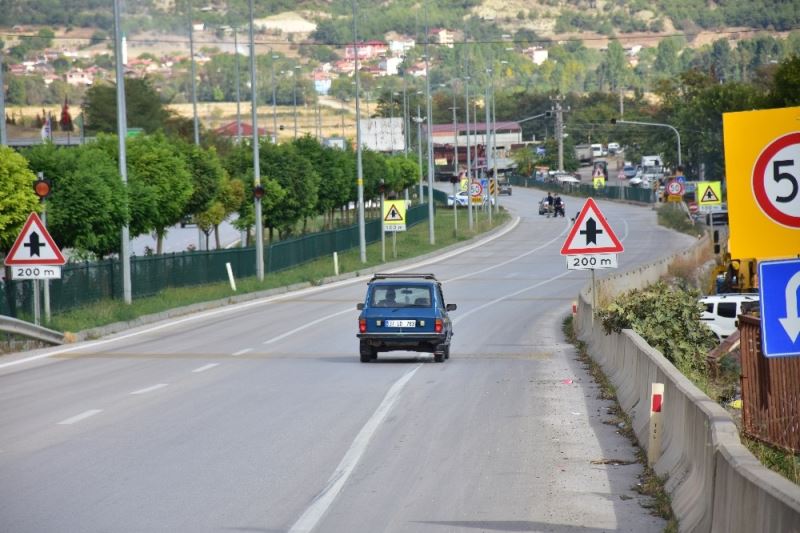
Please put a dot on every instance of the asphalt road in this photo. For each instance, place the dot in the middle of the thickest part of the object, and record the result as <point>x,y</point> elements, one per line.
<point>259,417</point>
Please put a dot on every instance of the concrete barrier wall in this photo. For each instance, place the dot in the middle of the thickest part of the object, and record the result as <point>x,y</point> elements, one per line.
<point>715,483</point>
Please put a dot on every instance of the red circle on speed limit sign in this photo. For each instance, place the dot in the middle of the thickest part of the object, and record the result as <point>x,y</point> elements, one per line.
<point>776,180</point>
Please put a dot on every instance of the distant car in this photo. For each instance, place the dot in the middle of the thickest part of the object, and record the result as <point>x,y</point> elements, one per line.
<point>504,187</point>
<point>629,171</point>
<point>462,199</point>
<point>404,312</point>
<point>720,311</point>
<point>613,148</point>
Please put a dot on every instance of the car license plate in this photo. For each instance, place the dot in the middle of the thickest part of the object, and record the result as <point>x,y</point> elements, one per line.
<point>401,323</point>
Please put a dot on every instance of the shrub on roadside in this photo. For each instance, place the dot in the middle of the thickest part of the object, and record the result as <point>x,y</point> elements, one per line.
<point>672,216</point>
<point>669,320</point>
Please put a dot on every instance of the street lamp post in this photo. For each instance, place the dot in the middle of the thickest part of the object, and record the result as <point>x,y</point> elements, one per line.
<point>362,239</point>
<point>238,90</point>
<point>677,134</point>
<point>431,233</point>
<point>274,97</point>
<point>256,162</point>
<point>294,96</point>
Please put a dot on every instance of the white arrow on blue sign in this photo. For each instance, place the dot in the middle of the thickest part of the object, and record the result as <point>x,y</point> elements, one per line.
<point>779,283</point>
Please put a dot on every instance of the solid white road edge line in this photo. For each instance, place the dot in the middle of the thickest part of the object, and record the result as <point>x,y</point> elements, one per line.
<point>78,418</point>
<point>204,368</point>
<point>322,502</point>
<point>263,301</point>
<point>242,352</point>
<point>150,389</point>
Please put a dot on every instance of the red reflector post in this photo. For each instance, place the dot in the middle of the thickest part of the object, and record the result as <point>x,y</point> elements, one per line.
<point>362,325</point>
<point>437,327</point>
<point>657,398</point>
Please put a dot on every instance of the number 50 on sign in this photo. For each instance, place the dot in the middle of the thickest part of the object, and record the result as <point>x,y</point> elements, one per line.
<point>762,164</point>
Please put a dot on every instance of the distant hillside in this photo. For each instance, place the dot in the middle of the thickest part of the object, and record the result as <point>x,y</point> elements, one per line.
<point>544,17</point>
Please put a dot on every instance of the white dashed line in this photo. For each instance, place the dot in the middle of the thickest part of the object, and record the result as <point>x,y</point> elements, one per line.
<point>150,389</point>
<point>242,352</point>
<point>204,368</point>
<point>78,418</point>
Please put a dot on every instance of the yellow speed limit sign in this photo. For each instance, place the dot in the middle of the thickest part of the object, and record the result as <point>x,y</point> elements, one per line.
<point>762,165</point>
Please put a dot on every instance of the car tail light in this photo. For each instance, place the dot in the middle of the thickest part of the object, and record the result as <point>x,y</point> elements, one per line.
<point>437,327</point>
<point>362,325</point>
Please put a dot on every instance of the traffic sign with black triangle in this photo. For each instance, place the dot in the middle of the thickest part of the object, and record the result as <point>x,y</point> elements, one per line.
<point>393,214</point>
<point>709,196</point>
<point>34,246</point>
<point>591,233</point>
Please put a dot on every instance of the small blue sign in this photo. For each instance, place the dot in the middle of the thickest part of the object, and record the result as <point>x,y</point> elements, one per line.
<point>779,284</point>
<point>485,185</point>
<point>681,179</point>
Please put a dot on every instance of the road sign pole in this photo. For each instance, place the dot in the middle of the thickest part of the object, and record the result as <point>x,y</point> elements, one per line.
<point>594,297</point>
<point>383,234</point>
<point>37,319</point>
<point>394,244</point>
<point>455,211</point>
<point>47,281</point>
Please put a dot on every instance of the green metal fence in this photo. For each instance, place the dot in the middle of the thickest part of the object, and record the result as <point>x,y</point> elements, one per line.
<point>630,194</point>
<point>85,283</point>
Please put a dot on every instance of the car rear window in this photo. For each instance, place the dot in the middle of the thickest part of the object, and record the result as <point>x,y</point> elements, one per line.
<point>726,309</point>
<point>401,296</point>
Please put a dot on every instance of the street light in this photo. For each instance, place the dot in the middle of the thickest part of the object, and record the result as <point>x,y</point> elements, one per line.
<point>274,99</point>
<point>419,119</point>
<point>677,134</point>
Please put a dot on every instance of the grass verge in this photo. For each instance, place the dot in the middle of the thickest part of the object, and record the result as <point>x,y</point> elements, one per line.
<point>412,243</point>
<point>672,216</point>
<point>782,462</point>
<point>650,484</point>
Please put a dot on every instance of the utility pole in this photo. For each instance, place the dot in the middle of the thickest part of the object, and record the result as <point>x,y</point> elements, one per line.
<point>455,136</point>
<point>362,238</point>
<point>256,162</point>
<point>469,148</point>
<point>486,151</point>
<point>431,233</point>
<point>274,96</point>
<point>238,91</point>
<point>3,138</point>
<point>558,110</point>
<point>418,119</point>
<point>122,127</point>
<point>196,120</point>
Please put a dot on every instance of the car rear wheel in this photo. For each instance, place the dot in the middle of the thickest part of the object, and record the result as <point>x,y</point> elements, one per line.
<point>368,353</point>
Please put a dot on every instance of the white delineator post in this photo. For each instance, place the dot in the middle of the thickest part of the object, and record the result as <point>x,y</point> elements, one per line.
<point>230,276</point>
<point>335,264</point>
<point>656,404</point>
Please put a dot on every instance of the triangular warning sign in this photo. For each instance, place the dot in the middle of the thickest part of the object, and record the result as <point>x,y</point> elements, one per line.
<point>709,196</point>
<point>591,233</point>
<point>34,246</point>
<point>393,215</point>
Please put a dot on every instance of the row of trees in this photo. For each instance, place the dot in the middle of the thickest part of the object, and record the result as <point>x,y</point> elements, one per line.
<point>170,179</point>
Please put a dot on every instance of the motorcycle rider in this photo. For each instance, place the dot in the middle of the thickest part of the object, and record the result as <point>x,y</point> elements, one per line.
<point>560,207</point>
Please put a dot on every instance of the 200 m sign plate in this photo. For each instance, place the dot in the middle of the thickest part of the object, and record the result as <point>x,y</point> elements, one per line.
<point>591,261</point>
<point>36,272</point>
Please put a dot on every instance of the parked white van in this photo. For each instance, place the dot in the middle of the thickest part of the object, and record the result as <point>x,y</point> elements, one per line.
<point>721,311</point>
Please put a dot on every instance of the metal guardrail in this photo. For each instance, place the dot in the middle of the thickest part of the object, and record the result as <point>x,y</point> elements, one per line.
<point>31,331</point>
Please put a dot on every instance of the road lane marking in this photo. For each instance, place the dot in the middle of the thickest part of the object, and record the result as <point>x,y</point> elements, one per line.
<point>261,301</point>
<point>204,368</point>
<point>78,418</point>
<point>149,389</point>
<point>322,501</point>
<point>306,325</point>
<point>242,352</point>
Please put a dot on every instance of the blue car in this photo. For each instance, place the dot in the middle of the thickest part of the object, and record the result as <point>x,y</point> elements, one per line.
<point>404,312</point>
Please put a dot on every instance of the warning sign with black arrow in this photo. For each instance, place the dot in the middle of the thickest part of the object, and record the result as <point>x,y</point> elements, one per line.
<point>591,234</point>
<point>34,246</point>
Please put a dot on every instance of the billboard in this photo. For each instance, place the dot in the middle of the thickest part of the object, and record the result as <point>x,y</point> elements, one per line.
<point>383,134</point>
